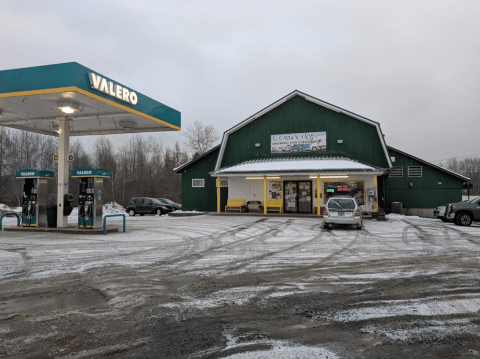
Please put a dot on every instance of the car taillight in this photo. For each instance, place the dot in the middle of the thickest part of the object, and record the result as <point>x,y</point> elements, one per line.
<point>325,212</point>
<point>357,213</point>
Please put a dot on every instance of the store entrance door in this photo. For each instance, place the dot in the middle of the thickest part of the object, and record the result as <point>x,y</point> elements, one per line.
<point>297,196</point>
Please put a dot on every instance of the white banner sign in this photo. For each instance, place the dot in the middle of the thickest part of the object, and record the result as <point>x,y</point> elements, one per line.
<point>299,142</point>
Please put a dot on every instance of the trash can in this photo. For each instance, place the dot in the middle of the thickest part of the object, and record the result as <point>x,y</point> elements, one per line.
<point>397,207</point>
<point>52,216</point>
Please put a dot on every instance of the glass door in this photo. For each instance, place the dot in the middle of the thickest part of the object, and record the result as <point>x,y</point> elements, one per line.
<point>305,197</point>
<point>297,196</point>
<point>290,196</point>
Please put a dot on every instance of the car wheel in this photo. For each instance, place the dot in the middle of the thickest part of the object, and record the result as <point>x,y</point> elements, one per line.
<point>131,213</point>
<point>159,212</point>
<point>359,226</point>
<point>444,219</point>
<point>314,148</point>
<point>326,226</point>
<point>464,219</point>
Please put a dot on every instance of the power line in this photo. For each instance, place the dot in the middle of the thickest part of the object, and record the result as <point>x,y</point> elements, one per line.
<point>445,159</point>
<point>435,148</point>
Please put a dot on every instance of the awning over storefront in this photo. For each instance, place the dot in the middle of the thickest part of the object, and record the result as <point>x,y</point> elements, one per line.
<point>297,166</point>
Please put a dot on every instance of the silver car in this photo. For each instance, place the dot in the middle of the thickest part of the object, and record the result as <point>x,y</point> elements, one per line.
<point>342,210</point>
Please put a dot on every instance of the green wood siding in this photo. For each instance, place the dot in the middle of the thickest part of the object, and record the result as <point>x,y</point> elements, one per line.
<point>201,198</point>
<point>297,115</point>
<point>426,192</point>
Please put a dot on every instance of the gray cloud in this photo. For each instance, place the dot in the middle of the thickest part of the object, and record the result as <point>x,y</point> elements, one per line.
<point>412,66</point>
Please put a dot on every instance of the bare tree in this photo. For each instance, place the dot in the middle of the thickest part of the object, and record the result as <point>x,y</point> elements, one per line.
<point>200,137</point>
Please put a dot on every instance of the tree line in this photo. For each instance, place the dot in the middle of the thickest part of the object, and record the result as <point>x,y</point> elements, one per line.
<point>140,168</point>
<point>469,167</point>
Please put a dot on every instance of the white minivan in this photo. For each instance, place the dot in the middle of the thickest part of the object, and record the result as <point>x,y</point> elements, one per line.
<point>342,210</point>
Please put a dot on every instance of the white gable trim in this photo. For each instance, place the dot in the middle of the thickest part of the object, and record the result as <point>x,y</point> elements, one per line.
<point>308,98</point>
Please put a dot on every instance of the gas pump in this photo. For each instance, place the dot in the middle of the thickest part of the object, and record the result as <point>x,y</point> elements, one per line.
<point>90,201</point>
<point>34,199</point>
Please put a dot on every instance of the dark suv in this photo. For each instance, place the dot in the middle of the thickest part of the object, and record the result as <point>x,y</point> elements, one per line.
<point>464,213</point>
<point>146,205</point>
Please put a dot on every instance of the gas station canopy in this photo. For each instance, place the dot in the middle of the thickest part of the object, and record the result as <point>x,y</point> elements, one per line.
<point>33,98</point>
<point>66,100</point>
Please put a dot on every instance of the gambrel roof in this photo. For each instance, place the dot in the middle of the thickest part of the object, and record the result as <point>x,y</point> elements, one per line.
<point>308,98</point>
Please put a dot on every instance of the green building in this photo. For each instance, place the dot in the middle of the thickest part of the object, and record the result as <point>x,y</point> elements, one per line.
<point>302,150</point>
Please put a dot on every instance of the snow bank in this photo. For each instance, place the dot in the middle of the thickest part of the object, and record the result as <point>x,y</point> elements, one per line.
<point>4,208</point>
<point>113,208</point>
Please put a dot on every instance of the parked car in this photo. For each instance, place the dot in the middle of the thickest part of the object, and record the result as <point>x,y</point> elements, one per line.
<point>464,213</point>
<point>342,210</point>
<point>439,213</point>
<point>146,205</point>
<point>166,201</point>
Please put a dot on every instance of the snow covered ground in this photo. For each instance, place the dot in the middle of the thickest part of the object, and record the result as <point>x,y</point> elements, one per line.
<point>290,258</point>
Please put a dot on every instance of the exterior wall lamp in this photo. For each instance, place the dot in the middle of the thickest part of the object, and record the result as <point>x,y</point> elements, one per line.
<point>257,145</point>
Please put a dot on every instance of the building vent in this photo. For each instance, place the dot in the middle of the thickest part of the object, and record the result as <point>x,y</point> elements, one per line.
<point>415,171</point>
<point>396,172</point>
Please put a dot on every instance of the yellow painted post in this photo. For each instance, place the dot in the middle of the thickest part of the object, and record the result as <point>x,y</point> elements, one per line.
<point>322,195</point>
<point>375,207</point>
<point>318,195</point>
<point>218,194</point>
<point>264,194</point>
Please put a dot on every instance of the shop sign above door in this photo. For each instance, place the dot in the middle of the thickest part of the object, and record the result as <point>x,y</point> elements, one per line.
<point>299,142</point>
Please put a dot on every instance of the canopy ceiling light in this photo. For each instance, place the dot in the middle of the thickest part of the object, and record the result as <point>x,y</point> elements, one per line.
<point>67,107</point>
<point>254,178</point>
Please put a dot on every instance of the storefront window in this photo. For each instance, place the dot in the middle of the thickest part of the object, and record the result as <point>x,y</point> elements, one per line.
<point>275,190</point>
<point>354,189</point>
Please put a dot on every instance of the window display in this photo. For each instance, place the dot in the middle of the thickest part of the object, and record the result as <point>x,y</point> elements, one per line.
<point>353,189</point>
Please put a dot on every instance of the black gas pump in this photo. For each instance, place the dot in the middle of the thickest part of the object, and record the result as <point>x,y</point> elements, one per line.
<point>34,200</point>
<point>86,202</point>
<point>30,190</point>
<point>90,200</point>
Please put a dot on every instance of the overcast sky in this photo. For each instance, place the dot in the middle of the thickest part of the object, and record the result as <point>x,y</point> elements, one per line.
<point>412,66</point>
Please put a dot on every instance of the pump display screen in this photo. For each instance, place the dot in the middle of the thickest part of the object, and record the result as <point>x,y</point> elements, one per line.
<point>354,189</point>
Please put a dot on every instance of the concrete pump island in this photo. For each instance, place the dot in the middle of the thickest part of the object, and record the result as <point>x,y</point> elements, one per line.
<point>65,100</point>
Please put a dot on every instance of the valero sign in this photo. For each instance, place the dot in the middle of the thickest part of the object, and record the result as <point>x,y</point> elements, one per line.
<point>101,84</point>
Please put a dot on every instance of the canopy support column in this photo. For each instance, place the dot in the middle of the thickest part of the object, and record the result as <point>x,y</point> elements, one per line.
<point>63,168</point>
<point>375,206</point>
<point>318,195</point>
<point>218,194</point>
<point>264,194</point>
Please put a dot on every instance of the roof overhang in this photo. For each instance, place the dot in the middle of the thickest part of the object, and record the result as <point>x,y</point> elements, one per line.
<point>30,98</point>
<point>300,173</point>
<point>308,98</point>
<point>298,166</point>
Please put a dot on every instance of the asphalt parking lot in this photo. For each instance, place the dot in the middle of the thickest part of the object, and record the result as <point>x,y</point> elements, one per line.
<point>243,287</point>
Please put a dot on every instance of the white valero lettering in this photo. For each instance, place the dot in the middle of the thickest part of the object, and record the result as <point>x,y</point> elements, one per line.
<point>84,172</point>
<point>101,84</point>
<point>28,173</point>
